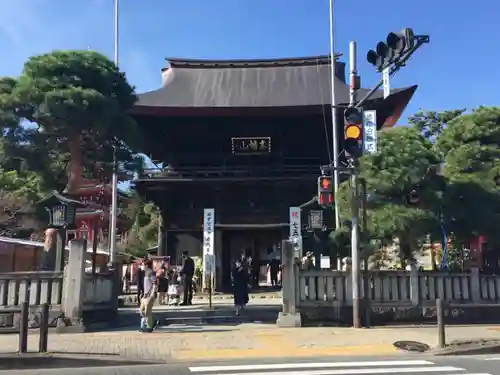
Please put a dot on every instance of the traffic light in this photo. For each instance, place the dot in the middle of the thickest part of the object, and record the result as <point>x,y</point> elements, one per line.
<point>325,191</point>
<point>353,132</point>
<point>396,46</point>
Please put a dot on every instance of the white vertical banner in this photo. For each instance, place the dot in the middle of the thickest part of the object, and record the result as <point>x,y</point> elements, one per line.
<point>386,79</point>
<point>369,132</point>
<point>208,241</point>
<point>295,226</point>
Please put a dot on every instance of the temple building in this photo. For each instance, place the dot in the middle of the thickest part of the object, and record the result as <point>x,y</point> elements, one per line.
<point>246,138</point>
<point>92,221</point>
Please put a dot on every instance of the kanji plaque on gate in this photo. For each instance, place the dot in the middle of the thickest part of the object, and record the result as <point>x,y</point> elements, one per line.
<point>316,219</point>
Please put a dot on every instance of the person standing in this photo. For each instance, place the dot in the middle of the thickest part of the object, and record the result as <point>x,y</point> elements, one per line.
<point>140,282</point>
<point>187,272</point>
<point>240,280</point>
<point>148,298</point>
<point>273,268</point>
<point>162,279</point>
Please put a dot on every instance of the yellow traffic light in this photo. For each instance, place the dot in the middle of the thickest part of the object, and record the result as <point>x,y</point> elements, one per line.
<point>352,132</point>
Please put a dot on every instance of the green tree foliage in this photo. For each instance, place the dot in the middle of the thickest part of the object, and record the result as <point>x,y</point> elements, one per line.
<point>465,198</point>
<point>79,101</point>
<point>402,167</point>
<point>470,146</point>
<point>431,124</point>
<point>144,221</point>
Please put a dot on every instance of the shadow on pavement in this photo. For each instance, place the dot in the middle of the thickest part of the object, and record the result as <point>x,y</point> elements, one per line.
<point>68,360</point>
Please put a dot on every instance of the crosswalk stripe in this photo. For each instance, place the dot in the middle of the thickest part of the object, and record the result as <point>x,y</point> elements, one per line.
<point>286,366</point>
<point>358,371</point>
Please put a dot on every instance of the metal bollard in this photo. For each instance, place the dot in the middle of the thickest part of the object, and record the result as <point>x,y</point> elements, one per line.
<point>440,323</point>
<point>44,329</point>
<point>23,328</point>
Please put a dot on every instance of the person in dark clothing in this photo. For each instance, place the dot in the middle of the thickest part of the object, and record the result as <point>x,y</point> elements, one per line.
<point>140,282</point>
<point>187,272</point>
<point>273,268</point>
<point>240,279</point>
<point>162,281</point>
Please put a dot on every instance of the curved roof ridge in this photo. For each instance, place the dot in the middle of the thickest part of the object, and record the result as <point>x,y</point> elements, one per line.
<point>256,63</point>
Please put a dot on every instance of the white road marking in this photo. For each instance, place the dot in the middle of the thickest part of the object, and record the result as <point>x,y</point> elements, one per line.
<point>359,371</point>
<point>286,366</point>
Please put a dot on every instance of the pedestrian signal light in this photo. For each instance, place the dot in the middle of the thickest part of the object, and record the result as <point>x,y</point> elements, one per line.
<point>325,191</point>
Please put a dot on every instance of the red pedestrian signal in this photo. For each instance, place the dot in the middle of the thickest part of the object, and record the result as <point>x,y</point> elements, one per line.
<point>325,183</point>
<point>325,191</point>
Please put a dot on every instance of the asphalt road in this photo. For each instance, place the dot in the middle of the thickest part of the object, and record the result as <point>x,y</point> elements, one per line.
<point>402,364</point>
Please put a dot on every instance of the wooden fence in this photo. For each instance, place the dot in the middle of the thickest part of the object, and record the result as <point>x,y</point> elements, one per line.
<point>35,287</point>
<point>72,295</point>
<point>397,288</point>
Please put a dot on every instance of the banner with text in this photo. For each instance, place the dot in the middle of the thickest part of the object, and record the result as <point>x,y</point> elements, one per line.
<point>295,226</point>
<point>370,132</point>
<point>208,240</point>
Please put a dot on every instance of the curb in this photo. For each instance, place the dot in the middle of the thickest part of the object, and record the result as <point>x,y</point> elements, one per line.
<point>467,349</point>
<point>53,360</point>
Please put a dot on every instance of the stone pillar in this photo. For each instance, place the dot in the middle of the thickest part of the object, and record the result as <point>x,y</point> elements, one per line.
<point>289,317</point>
<point>475,285</point>
<point>74,287</point>
<point>414,283</point>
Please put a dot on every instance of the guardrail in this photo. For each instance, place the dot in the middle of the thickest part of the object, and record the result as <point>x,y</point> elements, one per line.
<point>23,310</point>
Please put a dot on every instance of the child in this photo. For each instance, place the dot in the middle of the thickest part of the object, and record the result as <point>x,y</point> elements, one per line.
<point>174,286</point>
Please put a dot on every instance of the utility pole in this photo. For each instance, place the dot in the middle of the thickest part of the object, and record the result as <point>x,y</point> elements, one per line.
<point>335,140</point>
<point>356,303</point>
<point>114,181</point>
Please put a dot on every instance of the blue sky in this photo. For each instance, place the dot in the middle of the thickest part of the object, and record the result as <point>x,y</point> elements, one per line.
<point>458,69</point>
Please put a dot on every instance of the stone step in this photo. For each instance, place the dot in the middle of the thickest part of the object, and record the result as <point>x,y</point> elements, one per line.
<point>219,315</point>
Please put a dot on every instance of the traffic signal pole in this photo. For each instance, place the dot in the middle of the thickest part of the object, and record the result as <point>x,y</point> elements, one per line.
<point>355,269</point>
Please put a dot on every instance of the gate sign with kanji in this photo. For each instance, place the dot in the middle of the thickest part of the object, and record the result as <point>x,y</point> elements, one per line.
<point>208,240</point>
<point>295,226</point>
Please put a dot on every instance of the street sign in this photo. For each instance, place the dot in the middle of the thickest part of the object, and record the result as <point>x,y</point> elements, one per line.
<point>208,240</point>
<point>316,219</point>
<point>369,132</point>
<point>387,83</point>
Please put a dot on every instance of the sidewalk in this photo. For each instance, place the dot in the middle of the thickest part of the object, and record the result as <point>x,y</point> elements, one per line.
<point>210,342</point>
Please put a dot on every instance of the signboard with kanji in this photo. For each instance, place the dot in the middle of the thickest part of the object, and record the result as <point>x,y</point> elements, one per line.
<point>295,226</point>
<point>208,240</point>
<point>316,219</point>
<point>370,132</point>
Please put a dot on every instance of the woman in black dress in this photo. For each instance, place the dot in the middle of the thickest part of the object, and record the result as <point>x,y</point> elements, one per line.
<point>240,285</point>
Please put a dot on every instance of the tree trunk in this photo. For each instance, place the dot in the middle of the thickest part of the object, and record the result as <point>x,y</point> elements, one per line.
<point>404,250</point>
<point>75,166</point>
